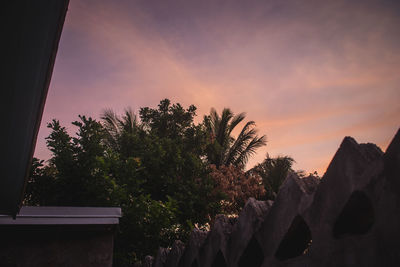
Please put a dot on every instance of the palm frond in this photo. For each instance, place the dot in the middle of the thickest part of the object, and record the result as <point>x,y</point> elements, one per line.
<point>240,143</point>
<point>222,135</point>
<point>236,120</point>
<point>110,120</point>
<point>111,124</point>
<point>255,143</point>
<point>224,148</point>
<point>129,122</point>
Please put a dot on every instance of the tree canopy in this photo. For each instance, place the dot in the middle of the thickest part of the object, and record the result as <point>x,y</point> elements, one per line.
<point>165,172</point>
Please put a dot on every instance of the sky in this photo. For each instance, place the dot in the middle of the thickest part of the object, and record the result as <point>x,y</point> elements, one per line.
<point>307,72</point>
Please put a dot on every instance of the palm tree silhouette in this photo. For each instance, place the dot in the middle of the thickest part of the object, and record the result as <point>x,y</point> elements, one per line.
<point>273,172</point>
<point>117,127</point>
<point>223,148</point>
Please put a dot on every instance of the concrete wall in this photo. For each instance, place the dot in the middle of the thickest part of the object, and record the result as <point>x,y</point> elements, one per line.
<point>349,218</point>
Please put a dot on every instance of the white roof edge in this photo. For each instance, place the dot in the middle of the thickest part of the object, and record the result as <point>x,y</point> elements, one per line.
<point>64,216</point>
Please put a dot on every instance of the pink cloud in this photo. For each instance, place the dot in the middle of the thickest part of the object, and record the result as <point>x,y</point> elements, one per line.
<point>307,74</point>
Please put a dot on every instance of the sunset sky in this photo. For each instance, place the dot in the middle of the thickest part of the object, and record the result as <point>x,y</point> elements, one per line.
<point>307,72</point>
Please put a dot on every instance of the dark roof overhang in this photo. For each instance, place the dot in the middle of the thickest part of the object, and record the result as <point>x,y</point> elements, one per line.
<point>30,37</point>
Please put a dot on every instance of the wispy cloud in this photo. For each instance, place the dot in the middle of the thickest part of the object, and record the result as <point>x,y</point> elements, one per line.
<point>307,72</point>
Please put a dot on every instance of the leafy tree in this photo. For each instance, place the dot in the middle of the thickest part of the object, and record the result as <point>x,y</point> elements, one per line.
<point>41,185</point>
<point>273,172</point>
<point>169,147</point>
<point>80,176</point>
<point>223,148</point>
<point>237,187</point>
<point>171,121</point>
<point>85,171</point>
<point>154,166</point>
<point>175,165</point>
<point>146,224</point>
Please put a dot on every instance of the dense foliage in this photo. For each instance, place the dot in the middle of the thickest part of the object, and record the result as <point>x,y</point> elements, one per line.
<point>237,186</point>
<point>165,172</point>
<point>273,172</point>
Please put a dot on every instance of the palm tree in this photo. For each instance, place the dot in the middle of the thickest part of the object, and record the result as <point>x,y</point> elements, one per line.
<point>273,172</point>
<point>223,148</point>
<point>117,127</point>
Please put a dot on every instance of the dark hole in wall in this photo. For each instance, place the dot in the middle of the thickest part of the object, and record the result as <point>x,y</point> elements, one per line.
<point>357,216</point>
<point>253,255</point>
<point>219,260</point>
<point>296,241</point>
<point>194,264</point>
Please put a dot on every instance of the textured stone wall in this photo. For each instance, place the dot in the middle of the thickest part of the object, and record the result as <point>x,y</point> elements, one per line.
<point>351,217</point>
